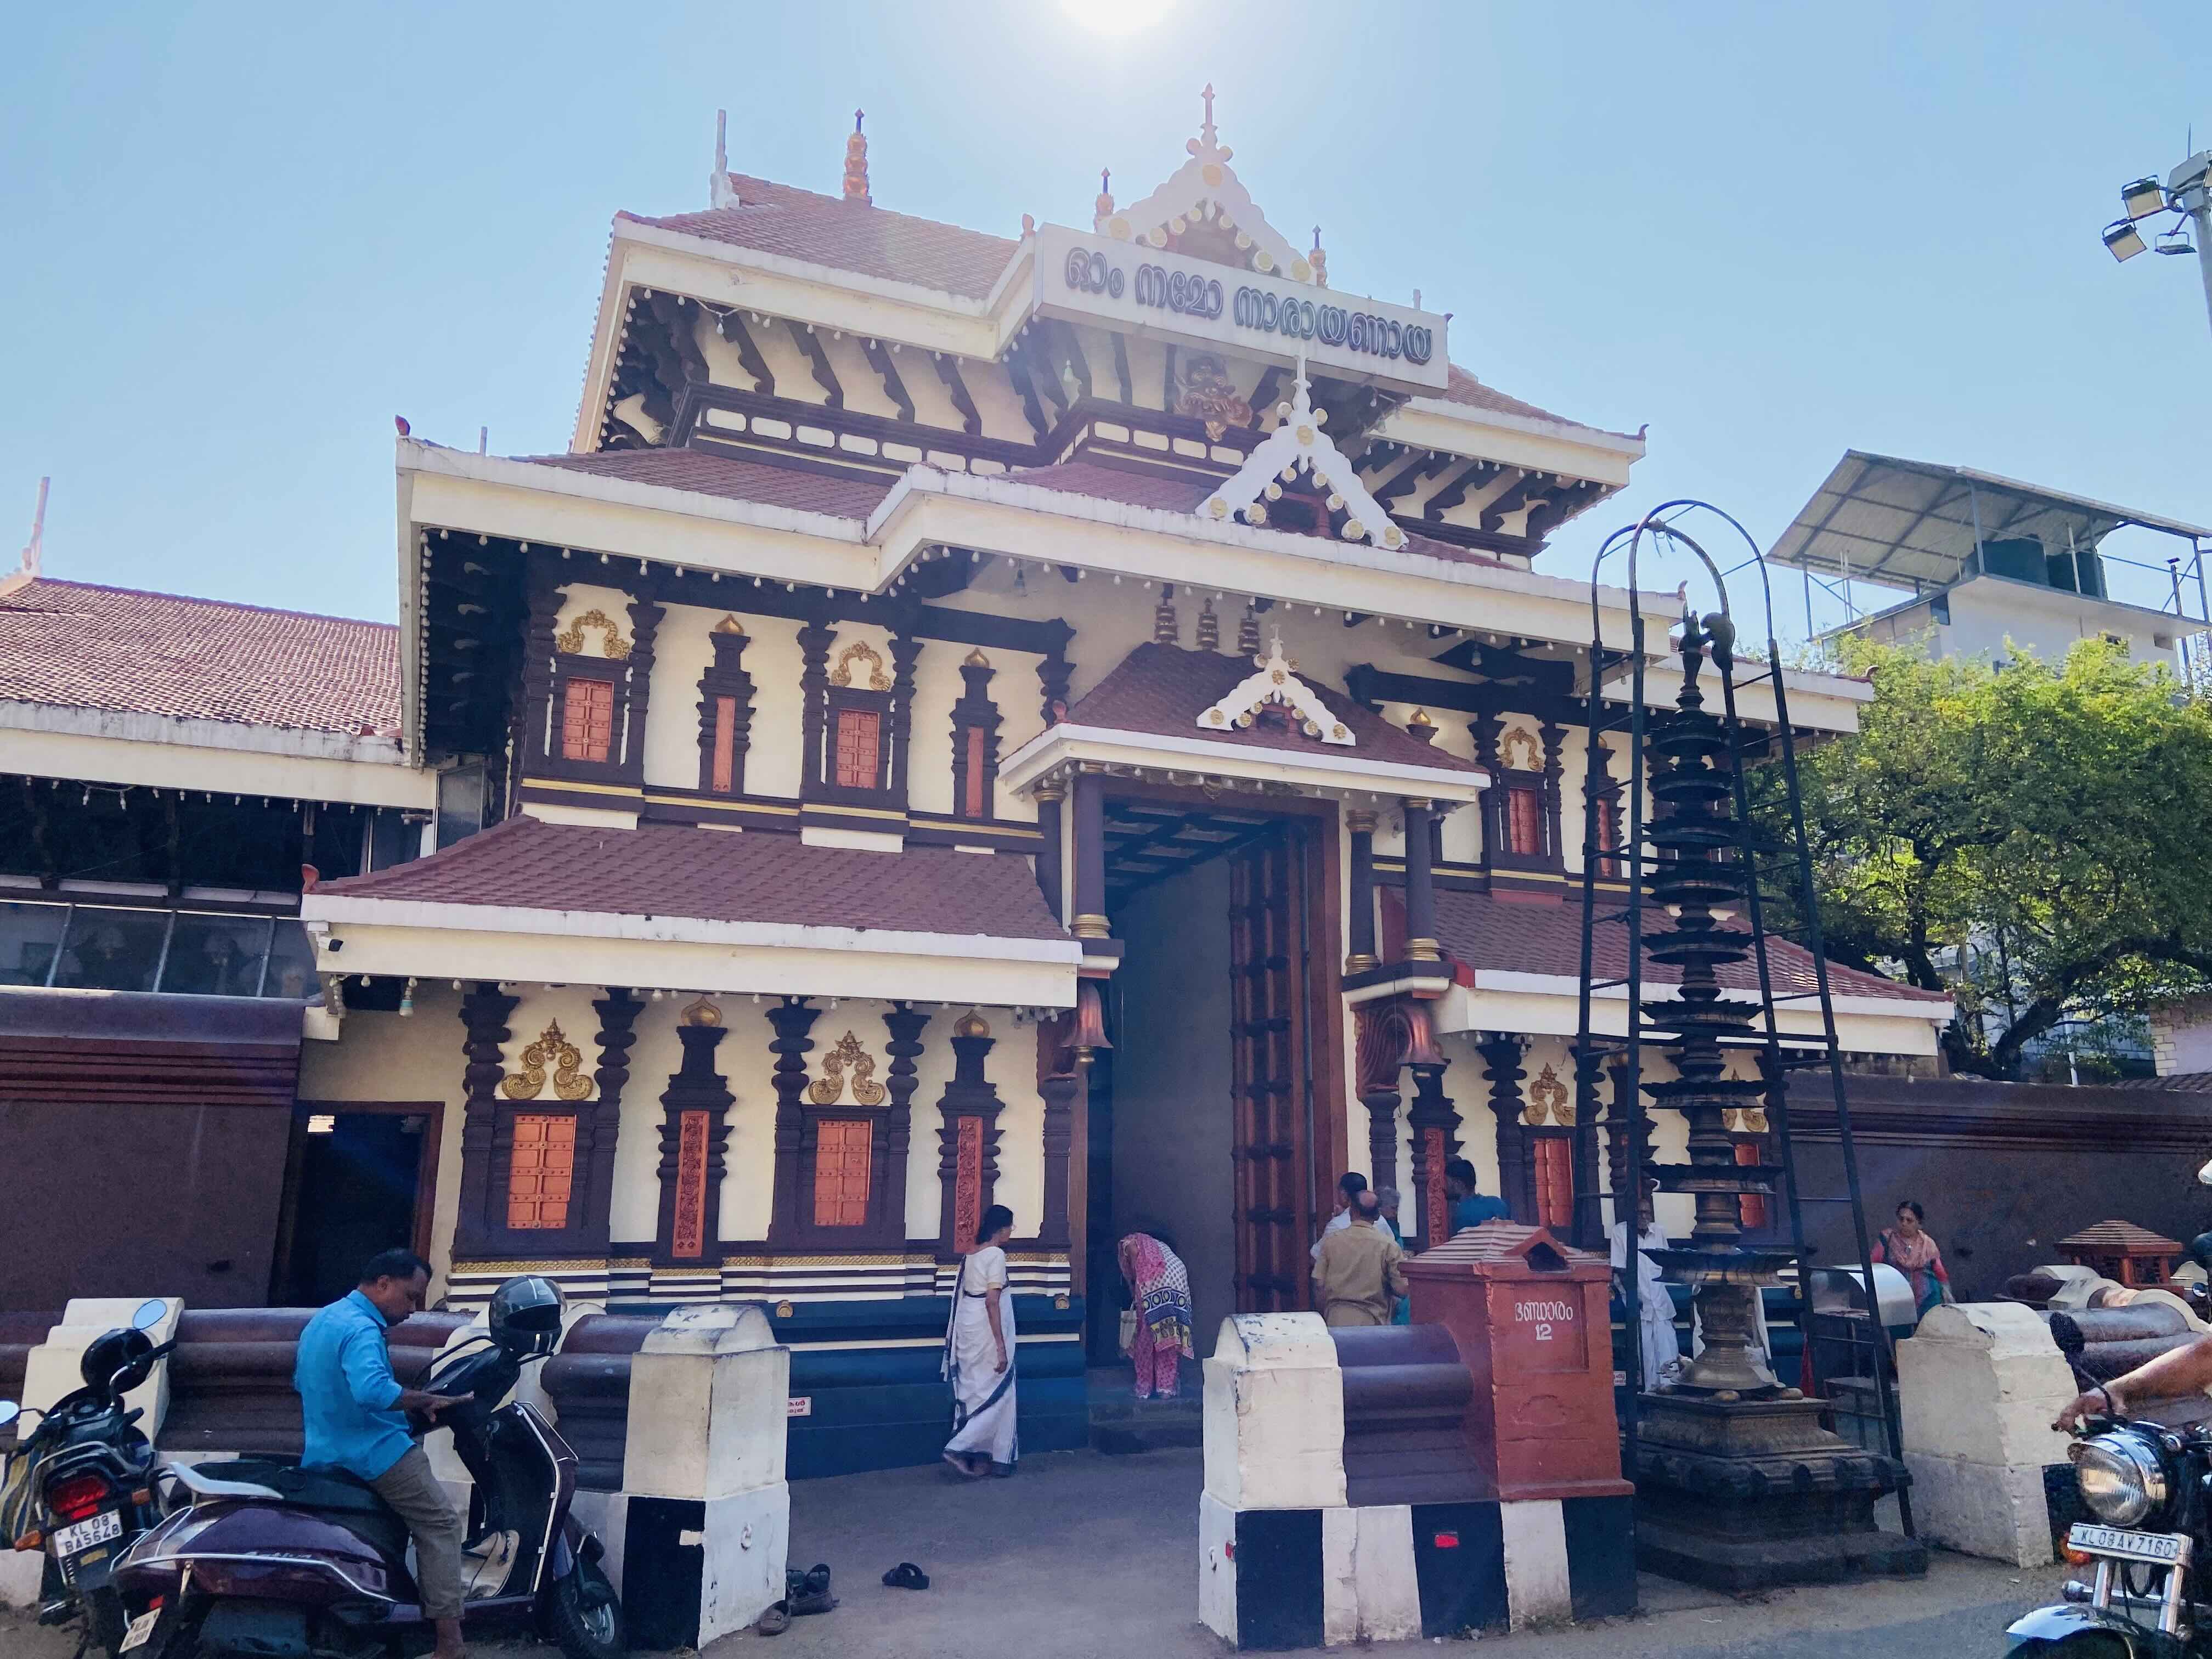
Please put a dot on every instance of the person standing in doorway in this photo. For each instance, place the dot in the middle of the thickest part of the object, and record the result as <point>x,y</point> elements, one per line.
<point>1357,1276</point>
<point>1349,1186</point>
<point>1910,1248</point>
<point>1644,1291</point>
<point>1470,1208</point>
<point>979,1355</point>
<point>1159,1293</point>
<point>354,1416</point>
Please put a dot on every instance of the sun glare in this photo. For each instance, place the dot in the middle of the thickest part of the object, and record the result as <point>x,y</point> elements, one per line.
<point>1115,16</point>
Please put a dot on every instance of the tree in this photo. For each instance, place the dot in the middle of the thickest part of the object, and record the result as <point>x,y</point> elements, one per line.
<point>2032,841</point>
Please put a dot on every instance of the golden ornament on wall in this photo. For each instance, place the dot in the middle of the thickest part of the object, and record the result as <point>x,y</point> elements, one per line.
<point>1548,1101</point>
<point>570,639</point>
<point>842,673</point>
<point>701,1013</point>
<point>1744,1120</point>
<point>847,1062</point>
<point>1532,757</point>
<point>971,1024</point>
<point>551,1049</point>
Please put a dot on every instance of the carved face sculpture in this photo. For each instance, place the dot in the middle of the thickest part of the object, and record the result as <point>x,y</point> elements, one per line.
<point>1209,395</point>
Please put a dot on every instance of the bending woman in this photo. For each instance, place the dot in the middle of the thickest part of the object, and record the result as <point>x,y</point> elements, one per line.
<point>1159,1287</point>
<point>979,1355</point>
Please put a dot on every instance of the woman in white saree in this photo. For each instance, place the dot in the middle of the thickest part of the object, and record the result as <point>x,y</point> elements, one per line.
<point>979,1355</point>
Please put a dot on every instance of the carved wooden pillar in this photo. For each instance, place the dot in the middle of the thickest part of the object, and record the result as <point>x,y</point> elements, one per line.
<point>599,1126</point>
<point>1361,957</point>
<point>1090,857</point>
<point>1619,1121</point>
<point>1059,1079</point>
<point>645,629</point>
<point>1486,729</point>
<point>814,642</point>
<point>1555,825</point>
<point>533,708</point>
<point>1434,1141</point>
<point>967,1138</point>
<point>1054,671</point>
<point>484,1013</point>
<point>694,1137</point>
<point>906,653</point>
<point>903,1024</point>
<point>976,721</point>
<point>1049,798</point>
<point>1590,1212</point>
<point>1420,884</point>
<point>726,711</point>
<point>1501,1057</point>
<point>792,1019</point>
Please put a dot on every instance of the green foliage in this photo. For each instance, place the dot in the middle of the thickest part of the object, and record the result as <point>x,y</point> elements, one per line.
<point>2033,840</point>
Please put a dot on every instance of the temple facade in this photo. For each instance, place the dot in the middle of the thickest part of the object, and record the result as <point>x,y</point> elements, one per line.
<point>1065,719</point>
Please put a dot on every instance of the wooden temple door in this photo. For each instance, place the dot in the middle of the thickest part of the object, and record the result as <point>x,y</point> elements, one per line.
<point>1271,950</point>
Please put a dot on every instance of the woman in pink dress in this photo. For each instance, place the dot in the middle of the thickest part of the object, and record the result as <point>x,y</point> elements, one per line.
<point>1908,1248</point>
<point>1159,1295</point>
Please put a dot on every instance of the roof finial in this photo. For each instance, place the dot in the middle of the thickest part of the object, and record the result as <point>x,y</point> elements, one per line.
<point>856,163</point>
<point>1104,205</point>
<point>33,549</point>
<point>720,193</point>
<point>721,141</point>
<point>1205,131</point>
<point>1319,260</point>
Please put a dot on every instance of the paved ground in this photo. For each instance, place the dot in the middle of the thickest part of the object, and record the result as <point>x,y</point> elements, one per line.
<point>1084,1555</point>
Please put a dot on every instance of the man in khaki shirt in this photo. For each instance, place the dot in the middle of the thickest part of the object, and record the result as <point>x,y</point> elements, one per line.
<point>1357,1278</point>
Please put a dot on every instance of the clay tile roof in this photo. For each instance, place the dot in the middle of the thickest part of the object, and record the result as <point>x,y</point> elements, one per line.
<point>828,230</point>
<point>709,875</point>
<point>1541,934</point>
<point>1161,690</point>
<point>1500,1242</point>
<point>2107,1236</point>
<point>735,480</point>
<point>79,645</point>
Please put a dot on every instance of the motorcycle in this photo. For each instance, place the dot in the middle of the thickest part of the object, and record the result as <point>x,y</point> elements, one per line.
<point>2151,1491</point>
<point>81,1484</point>
<point>262,1557</point>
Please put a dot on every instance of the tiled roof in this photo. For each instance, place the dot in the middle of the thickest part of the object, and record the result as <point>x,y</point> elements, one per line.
<point>1161,690</point>
<point>78,646</point>
<point>709,875</point>
<point>706,474</point>
<point>826,230</point>
<point>2182,1083</point>
<point>1540,933</point>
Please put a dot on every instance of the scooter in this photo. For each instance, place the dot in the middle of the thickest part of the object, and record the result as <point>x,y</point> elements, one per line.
<point>265,1559</point>
<point>81,1486</point>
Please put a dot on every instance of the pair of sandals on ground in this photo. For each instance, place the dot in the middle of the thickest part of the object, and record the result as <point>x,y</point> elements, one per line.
<point>808,1592</point>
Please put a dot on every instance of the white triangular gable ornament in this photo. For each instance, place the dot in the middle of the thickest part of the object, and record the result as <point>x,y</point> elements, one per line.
<point>1298,444</point>
<point>1206,188</point>
<point>1276,682</point>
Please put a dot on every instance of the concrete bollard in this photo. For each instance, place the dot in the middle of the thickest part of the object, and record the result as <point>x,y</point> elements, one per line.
<point>1978,1385</point>
<point>699,1535</point>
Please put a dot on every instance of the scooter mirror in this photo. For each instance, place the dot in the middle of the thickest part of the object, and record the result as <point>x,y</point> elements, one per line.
<point>9,1411</point>
<point>148,1313</point>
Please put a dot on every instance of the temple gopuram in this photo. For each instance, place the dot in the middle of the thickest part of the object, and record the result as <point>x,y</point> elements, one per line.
<point>1066,720</point>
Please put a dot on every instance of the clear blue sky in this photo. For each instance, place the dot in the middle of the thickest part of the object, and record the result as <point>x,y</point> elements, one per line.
<point>242,238</point>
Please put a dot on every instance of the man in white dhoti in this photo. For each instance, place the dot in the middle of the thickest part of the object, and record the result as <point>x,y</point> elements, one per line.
<point>979,1355</point>
<point>1660,1350</point>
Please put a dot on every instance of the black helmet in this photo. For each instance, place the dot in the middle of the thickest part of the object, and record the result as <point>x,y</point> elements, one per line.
<point>526,1314</point>
<point>126,1351</point>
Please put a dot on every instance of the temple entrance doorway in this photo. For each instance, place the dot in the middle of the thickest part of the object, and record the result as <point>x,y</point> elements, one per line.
<point>360,1179</point>
<point>1217,1118</point>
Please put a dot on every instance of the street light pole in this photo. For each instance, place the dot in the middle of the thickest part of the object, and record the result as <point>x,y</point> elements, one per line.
<point>2190,185</point>
<point>2187,191</point>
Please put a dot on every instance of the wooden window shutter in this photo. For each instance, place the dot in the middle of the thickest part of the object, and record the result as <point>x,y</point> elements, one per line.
<point>860,749</point>
<point>1524,822</point>
<point>587,719</point>
<point>1751,1208</point>
<point>1554,1156</point>
<point>541,1172</point>
<point>973,804</point>
<point>842,1152</point>
<point>726,732</point>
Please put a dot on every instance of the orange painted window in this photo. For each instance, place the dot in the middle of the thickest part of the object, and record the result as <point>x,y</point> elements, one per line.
<point>840,1172</point>
<point>542,1171</point>
<point>1524,822</point>
<point>726,744</point>
<point>1555,1181</point>
<point>1608,835</point>
<point>973,805</point>
<point>859,737</point>
<point>587,719</point>
<point>1751,1208</point>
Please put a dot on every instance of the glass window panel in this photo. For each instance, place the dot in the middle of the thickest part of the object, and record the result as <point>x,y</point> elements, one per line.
<point>29,935</point>
<point>113,949</point>
<point>216,955</point>
<point>291,965</point>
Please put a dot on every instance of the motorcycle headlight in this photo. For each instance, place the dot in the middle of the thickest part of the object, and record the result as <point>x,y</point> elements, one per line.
<point>2122,1478</point>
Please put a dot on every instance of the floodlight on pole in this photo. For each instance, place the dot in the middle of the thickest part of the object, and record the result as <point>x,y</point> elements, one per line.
<point>2124,240</point>
<point>2187,194</point>
<point>2142,199</point>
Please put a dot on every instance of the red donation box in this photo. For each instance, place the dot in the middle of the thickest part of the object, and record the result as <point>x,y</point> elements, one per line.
<point>1533,1321</point>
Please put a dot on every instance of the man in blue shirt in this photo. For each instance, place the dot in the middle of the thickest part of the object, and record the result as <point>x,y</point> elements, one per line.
<point>1468,1207</point>
<point>354,1414</point>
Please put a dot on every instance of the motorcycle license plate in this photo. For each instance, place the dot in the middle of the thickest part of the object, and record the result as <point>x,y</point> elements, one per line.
<point>74,1540</point>
<point>2164,1549</point>
<point>142,1627</point>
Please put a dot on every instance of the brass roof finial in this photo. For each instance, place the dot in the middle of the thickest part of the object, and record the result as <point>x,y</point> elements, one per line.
<point>1319,260</point>
<point>856,163</point>
<point>1105,201</point>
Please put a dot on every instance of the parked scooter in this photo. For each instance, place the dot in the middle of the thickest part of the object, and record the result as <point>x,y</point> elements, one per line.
<point>80,1486</point>
<point>2150,1543</point>
<point>265,1558</point>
